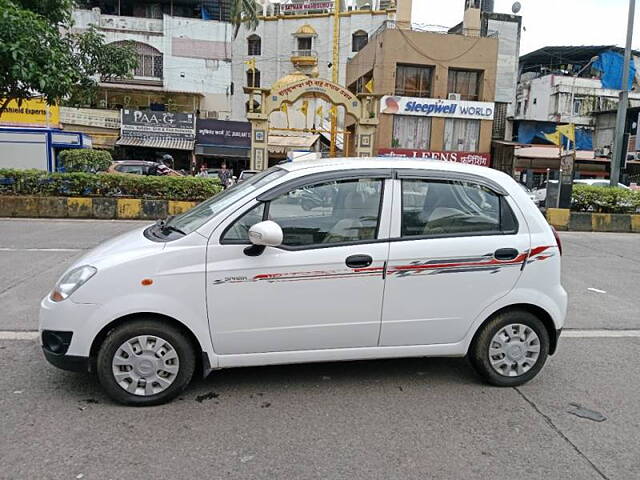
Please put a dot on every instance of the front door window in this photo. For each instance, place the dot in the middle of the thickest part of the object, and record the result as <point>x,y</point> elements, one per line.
<point>329,213</point>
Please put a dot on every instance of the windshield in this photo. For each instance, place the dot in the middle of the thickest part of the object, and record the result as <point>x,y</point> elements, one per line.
<point>199,215</point>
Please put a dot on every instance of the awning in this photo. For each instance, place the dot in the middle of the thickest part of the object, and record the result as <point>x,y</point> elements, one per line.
<point>281,144</point>
<point>157,142</point>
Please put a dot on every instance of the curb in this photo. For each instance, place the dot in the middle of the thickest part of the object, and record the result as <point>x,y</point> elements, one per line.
<point>91,207</point>
<point>566,220</point>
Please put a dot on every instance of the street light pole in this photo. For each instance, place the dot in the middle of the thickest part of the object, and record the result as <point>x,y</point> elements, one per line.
<point>621,119</point>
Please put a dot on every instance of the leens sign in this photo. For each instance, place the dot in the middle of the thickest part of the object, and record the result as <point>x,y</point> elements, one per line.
<point>434,107</point>
<point>471,158</point>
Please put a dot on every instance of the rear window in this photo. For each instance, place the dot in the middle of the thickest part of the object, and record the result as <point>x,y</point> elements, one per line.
<point>452,208</point>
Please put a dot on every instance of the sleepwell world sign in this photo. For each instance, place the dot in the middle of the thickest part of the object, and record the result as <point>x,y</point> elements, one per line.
<point>434,107</point>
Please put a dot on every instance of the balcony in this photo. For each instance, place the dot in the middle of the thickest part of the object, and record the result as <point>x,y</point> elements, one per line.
<point>304,57</point>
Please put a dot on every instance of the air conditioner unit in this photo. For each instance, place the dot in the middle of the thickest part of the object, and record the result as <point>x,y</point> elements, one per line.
<point>455,96</point>
<point>211,114</point>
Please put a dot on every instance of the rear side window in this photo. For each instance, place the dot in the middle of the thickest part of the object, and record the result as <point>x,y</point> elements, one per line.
<point>451,208</point>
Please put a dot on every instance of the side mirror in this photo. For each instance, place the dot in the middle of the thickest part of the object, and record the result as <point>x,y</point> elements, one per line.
<point>266,234</point>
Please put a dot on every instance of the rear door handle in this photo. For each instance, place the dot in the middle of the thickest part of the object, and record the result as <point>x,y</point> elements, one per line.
<point>358,261</point>
<point>506,254</point>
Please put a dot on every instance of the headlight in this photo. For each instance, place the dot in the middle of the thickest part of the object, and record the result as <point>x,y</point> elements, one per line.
<point>72,281</point>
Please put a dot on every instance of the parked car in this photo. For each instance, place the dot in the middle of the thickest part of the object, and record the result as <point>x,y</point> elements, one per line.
<point>598,182</point>
<point>141,167</point>
<point>249,277</point>
<point>530,193</point>
<point>541,193</point>
<point>246,175</point>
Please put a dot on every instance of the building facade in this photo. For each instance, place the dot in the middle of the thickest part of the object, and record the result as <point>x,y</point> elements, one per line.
<point>438,92</point>
<point>299,36</point>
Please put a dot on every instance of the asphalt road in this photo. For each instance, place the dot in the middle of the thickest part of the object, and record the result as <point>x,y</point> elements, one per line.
<point>392,419</point>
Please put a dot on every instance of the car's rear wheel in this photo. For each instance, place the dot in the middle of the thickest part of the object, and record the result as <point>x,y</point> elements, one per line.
<point>145,362</point>
<point>510,349</point>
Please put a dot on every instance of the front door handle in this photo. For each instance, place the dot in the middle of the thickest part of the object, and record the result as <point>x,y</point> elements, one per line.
<point>359,261</point>
<point>506,254</point>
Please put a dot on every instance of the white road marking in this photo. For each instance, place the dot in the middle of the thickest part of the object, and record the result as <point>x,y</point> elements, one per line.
<point>9,249</point>
<point>596,290</point>
<point>600,334</point>
<point>33,335</point>
<point>9,335</point>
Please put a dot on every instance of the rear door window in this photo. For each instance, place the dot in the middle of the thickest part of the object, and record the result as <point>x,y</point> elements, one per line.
<point>453,208</point>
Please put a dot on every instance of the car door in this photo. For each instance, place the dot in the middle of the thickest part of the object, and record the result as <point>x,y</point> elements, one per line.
<point>322,288</point>
<point>459,245</point>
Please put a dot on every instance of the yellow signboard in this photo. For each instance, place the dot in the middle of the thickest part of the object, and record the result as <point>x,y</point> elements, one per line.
<point>31,113</point>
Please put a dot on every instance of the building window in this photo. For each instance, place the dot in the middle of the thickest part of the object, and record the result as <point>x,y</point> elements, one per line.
<point>466,83</point>
<point>359,40</point>
<point>253,78</point>
<point>150,61</point>
<point>254,43</point>
<point>252,108</point>
<point>305,43</point>
<point>413,133</point>
<point>461,135</point>
<point>413,81</point>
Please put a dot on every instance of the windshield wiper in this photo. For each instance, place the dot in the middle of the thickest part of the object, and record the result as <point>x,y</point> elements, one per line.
<point>165,226</point>
<point>171,228</point>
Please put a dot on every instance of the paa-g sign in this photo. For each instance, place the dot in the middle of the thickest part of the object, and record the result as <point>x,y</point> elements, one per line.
<point>433,107</point>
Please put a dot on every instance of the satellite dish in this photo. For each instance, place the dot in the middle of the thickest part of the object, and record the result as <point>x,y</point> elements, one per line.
<point>516,7</point>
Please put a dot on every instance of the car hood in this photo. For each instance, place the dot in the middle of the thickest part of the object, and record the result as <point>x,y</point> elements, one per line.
<point>123,248</point>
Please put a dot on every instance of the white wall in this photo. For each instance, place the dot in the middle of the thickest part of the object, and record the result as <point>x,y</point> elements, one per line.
<point>552,96</point>
<point>278,43</point>
<point>207,69</point>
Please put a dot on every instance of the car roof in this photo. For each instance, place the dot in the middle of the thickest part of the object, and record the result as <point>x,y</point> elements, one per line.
<point>329,164</point>
<point>135,162</point>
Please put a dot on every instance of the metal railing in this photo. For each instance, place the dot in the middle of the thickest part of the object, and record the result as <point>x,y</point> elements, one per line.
<point>304,53</point>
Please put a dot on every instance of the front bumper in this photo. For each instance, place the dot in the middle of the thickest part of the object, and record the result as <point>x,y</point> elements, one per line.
<point>71,363</point>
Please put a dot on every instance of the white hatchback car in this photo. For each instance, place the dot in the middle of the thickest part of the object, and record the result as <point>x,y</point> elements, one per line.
<point>403,258</point>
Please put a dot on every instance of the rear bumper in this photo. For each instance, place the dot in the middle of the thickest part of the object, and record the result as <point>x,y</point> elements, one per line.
<point>554,342</point>
<point>71,363</point>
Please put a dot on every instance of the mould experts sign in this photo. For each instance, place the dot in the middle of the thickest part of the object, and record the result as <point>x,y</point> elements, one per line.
<point>434,107</point>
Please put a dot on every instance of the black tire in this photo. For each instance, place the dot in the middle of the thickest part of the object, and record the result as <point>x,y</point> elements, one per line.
<point>479,351</point>
<point>129,330</point>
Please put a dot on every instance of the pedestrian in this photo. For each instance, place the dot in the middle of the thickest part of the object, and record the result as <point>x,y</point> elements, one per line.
<point>225,176</point>
<point>203,171</point>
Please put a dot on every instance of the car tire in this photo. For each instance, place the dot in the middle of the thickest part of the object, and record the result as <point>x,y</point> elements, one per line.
<point>145,362</point>
<point>510,349</point>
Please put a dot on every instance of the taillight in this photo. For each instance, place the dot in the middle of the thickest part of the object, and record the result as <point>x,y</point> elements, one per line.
<point>555,234</point>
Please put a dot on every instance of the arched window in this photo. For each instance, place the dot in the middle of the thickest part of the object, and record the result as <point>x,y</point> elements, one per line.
<point>359,40</point>
<point>149,60</point>
<point>254,43</point>
<point>253,78</point>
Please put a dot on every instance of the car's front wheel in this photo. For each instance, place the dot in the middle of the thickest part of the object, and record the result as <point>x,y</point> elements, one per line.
<point>510,349</point>
<point>145,362</point>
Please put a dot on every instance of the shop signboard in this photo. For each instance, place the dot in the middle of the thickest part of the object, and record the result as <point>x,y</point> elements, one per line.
<point>436,107</point>
<point>471,158</point>
<point>223,133</point>
<point>149,123</point>
<point>33,112</point>
<point>90,117</point>
<point>305,5</point>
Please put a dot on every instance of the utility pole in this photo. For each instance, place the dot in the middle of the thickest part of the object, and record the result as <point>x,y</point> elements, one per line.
<point>619,148</point>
